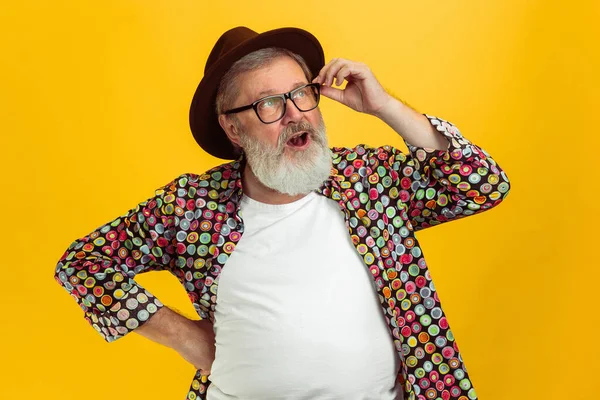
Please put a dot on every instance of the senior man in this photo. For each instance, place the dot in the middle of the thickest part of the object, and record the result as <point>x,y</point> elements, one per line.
<point>323,291</point>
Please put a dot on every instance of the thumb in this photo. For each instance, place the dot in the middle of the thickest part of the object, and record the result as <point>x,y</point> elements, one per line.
<point>333,93</point>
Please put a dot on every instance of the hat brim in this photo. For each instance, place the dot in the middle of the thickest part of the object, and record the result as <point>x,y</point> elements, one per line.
<point>204,121</point>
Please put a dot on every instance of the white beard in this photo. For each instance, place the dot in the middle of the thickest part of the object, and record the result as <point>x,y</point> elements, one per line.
<point>291,172</point>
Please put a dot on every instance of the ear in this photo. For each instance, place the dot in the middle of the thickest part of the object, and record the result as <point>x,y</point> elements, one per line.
<point>230,129</point>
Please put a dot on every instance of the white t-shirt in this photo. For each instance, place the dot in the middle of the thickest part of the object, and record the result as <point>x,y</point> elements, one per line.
<point>297,313</point>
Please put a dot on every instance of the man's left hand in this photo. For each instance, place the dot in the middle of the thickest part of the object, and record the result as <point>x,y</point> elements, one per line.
<point>363,92</point>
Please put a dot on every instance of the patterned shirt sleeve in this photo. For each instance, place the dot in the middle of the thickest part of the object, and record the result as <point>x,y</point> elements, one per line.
<point>98,270</point>
<point>449,184</point>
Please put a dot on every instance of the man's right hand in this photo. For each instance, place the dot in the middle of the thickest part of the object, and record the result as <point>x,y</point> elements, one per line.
<point>193,340</point>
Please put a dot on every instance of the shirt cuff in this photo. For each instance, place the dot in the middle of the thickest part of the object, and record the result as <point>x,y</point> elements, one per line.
<point>458,149</point>
<point>126,314</point>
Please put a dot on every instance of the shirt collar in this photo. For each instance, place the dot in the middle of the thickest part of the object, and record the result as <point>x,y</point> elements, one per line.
<point>234,183</point>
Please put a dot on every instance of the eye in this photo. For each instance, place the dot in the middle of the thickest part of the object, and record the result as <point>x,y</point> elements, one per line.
<point>267,103</point>
<point>301,93</point>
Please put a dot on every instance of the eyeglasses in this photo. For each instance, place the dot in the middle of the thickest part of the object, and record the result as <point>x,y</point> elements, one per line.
<point>272,108</point>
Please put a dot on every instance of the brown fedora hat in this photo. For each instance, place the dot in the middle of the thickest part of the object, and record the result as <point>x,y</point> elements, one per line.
<point>231,46</point>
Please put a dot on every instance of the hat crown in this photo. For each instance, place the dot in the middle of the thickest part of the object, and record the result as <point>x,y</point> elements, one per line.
<point>227,42</point>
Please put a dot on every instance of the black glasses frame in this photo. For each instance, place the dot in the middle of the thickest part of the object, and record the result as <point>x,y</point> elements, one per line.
<point>284,97</point>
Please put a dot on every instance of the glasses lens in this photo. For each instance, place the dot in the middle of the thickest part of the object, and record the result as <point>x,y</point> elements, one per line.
<point>270,109</point>
<point>306,98</point>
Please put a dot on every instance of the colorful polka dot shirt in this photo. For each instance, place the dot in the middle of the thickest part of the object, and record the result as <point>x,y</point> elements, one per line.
<point>191,226</point>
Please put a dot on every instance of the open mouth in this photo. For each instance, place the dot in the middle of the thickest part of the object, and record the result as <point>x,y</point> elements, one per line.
<point>298,141</point>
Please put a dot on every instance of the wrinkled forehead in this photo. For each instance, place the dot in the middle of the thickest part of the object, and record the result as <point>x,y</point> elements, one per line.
<point>279,76</point>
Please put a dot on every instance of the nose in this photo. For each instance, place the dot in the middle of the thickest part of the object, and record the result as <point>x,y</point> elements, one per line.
<point>292,114</point>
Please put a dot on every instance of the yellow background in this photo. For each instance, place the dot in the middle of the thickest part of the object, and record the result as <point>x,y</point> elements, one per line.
<point>93,117</point>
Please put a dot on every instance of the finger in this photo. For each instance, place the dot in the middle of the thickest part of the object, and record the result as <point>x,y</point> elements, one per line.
<point>342,74</point>
<point>323,71</point>
<point>360,71</point>
<point>321,78</point>
<point>333,93</point>
<point>204,372</point>
<point>332,71</point>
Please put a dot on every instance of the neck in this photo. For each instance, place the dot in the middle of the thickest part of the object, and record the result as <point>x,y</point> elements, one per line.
<point>254,189</point>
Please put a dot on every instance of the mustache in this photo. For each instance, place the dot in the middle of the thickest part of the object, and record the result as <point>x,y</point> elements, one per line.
<point>291,130</point>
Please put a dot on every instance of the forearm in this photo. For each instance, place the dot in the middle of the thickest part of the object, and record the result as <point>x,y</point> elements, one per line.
<point>167,328</point>
<point>193,340</point>
<point>414,127</point>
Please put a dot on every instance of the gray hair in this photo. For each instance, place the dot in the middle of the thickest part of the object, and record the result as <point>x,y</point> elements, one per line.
<point>229,88</point>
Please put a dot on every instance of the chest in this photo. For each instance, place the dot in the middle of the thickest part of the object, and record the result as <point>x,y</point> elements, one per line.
<point>310,230</point>
<point>295,253</point>
<point>379,236</point>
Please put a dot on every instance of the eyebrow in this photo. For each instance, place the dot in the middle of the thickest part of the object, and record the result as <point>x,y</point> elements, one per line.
<point>271,91</point>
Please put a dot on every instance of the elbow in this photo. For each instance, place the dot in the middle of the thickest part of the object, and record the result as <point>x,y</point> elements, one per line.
<point>504,185</point>
<point>61,275</point>
<point>70,282</point>
<point>501,190</point>
<point>500,184</point>
<point>71,275</point>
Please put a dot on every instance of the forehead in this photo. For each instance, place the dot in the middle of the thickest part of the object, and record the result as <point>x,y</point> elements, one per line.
<point>279,76</point>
